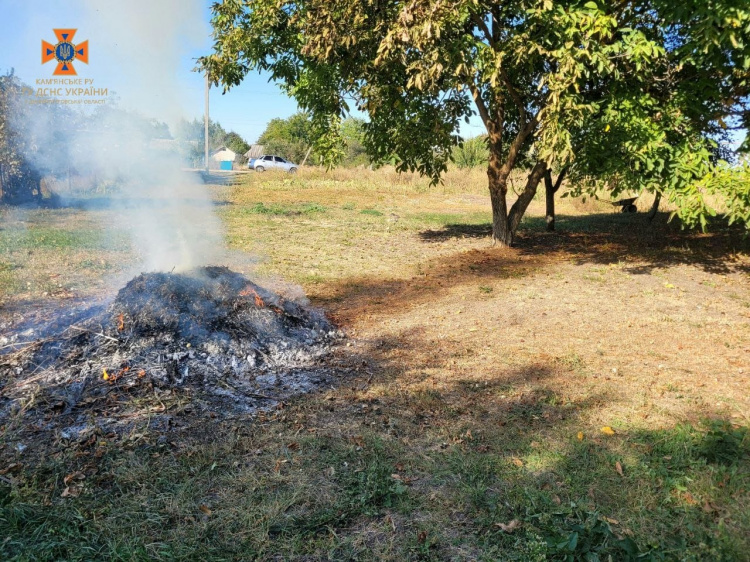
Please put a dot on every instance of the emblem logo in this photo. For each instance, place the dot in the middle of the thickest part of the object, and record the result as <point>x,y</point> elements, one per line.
<point>65,52</point>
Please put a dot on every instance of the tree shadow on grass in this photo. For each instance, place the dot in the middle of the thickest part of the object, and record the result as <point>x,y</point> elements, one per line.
<point>350,298</point>
<point>452,464</point>
<point>132,204</point>
<point>604,238</point>
<point>505,446</point>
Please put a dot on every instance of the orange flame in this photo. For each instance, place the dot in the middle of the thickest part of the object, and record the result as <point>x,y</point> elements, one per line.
<point>247,291</point>
<point>112,377</point>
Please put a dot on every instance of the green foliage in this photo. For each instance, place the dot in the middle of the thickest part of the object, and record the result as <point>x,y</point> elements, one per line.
<point>471,153</point>
<point>353,136</point>
<point>19,178</point>
<point>630,95</point>
<point>235,142</point>
<point>289,138</point>
<point>294,136</point>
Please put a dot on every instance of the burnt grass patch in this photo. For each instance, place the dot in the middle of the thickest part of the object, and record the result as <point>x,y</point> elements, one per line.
<point>208,341</point>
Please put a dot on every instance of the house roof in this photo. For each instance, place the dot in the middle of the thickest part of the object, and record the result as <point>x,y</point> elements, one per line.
<point>256,151</point>
<point>221,149</point>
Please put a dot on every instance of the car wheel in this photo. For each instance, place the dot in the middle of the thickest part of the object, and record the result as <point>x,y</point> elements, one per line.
<point>292,170</point>
<point>260,169</point>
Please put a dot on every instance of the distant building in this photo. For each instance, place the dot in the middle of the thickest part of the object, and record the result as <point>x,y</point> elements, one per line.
<point>223,154</point>
<point>223,158</point>
<point>256,151</point>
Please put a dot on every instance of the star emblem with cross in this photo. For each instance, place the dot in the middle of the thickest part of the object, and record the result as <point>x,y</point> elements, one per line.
<point>65,52</point>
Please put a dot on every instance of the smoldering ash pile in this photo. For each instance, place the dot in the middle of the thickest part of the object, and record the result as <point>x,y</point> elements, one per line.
<point>207,340</point>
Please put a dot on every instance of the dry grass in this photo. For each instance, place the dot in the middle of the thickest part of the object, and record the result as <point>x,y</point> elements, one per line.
<point>484,379</point>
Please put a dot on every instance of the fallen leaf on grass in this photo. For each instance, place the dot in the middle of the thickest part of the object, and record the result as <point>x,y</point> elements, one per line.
<point>71,492</point>
<point>509,527</point>
<point>516,461</point>
<point>73,476</point>
<point>12,467</point>
<point>689,498</point>
<point>611,521</point>
<point>403,479</point>
<point>708,507</point>
<point>606,430</point>
<point>618,468</point>
<point>580,436</point>
<point>205,509</point>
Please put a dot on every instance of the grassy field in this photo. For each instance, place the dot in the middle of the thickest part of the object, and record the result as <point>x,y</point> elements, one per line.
<point>583,396</point>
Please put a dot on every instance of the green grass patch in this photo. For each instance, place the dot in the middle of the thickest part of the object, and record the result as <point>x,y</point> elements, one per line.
<point>49,238</point>
<point>277,209</point>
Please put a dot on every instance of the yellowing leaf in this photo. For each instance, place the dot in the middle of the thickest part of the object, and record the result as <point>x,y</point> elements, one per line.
<point>105,374</point>
<point>618,468</point>
<point>606,430</point>
<point>516,461</point>
<point>580,435</point>
<point>606,129</point>
<point>205,509</point>
<point>509,527</point>
<point>669,285</point>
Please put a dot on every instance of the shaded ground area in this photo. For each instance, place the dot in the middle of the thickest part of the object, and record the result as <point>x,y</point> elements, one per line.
<point>581,396</point>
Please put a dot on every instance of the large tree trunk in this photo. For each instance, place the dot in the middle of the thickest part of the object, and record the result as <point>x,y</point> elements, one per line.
<point>498,184</point>
<point>550,189</point>
<point>522,203</point>
<point>501,233</point>
<point>504,222</point>
<point>654,207</point>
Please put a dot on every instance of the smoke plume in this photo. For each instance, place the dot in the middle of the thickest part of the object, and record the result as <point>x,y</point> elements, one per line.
<point>167,211</point>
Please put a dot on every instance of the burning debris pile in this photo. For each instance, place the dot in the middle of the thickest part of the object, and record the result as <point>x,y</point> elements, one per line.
<point>209,338</point>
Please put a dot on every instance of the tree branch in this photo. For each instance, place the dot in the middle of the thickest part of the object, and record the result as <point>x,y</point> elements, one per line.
<point>482,25</point>
<point>481,107</point>
<point>522,203</point>
<point>514,96</point>
<point>517,144</point>
<point>560,178</point>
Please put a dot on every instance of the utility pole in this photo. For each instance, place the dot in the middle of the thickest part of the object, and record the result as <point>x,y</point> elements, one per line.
<point>205,126</point>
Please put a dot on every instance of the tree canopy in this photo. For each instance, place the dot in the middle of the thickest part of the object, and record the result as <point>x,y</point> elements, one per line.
<point>635,93</point>
<point>294,136</point>
<point>290,138</point>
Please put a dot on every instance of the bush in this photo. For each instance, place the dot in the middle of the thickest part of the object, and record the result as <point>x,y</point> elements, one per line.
<point>471,153</point>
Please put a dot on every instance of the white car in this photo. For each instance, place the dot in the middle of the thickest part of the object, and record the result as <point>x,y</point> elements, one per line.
<point>269,162</point>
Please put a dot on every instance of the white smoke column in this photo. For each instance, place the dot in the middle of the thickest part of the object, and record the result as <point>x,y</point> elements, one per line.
<point>169,213</point>
<point>145,41</point>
